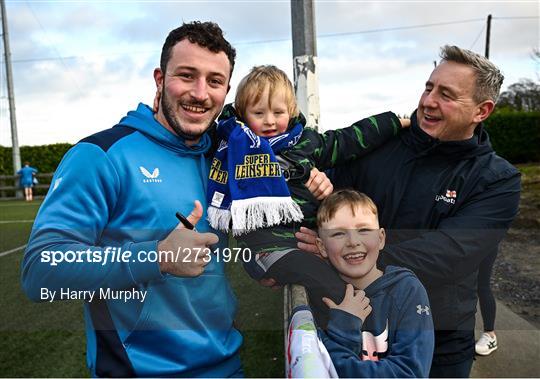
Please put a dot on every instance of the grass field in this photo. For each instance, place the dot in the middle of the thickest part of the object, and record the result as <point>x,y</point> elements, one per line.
<point>47,339</point>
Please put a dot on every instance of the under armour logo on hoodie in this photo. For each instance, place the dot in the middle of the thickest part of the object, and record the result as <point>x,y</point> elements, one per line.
<point>420,309</point>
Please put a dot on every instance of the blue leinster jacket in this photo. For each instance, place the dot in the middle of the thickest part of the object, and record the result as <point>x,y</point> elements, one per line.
<point>120,188</point>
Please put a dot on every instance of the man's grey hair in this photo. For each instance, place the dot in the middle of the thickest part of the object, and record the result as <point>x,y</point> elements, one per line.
<point>488,77</point>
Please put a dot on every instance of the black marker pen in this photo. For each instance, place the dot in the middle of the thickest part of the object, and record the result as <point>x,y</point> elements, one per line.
<point>185,221</point>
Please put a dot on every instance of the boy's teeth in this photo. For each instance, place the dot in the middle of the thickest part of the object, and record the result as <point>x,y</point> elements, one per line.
<point>355,256</point>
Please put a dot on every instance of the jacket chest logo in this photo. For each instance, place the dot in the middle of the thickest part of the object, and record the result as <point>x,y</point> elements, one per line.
<point>449,197</point>
<point>150,177</point>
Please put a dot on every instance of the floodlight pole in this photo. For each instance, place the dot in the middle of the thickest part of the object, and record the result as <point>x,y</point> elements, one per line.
<point>306,84</point>
<point>11,97</point>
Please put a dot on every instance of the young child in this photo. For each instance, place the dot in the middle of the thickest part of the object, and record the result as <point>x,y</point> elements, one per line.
<point>383,326</point>
<point>265,155</point>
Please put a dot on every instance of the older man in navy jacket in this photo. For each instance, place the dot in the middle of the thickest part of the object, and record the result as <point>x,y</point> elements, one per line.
<point>446,198</point>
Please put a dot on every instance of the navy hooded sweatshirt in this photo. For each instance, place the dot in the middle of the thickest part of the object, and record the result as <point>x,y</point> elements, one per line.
<point>396,339</point>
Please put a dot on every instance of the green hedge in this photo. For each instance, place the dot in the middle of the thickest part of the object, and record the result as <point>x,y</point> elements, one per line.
<point>45,158</point>
<point>515,135</point>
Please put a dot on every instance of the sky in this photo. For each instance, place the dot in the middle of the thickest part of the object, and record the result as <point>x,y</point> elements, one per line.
<point>79,66</point>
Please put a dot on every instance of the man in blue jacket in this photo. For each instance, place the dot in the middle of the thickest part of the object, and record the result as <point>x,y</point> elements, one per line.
<point>110,212</point>
<point>445,198</point>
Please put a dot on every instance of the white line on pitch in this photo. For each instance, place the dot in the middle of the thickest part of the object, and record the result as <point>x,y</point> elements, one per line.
<point>12,250</point>
<point>19,205</point>
<point>15,221</point>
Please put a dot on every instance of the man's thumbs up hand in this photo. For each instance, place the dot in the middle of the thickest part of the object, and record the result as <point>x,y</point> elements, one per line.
<point>190,249</point>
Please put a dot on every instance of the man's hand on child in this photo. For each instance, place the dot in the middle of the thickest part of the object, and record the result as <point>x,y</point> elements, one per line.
<point>405,122</point>
<point>307,241</point>
<point>319,184</point>
<point>355,302</point>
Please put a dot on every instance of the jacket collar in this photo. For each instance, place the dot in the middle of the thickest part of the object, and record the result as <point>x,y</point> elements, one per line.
<point>423,144</point>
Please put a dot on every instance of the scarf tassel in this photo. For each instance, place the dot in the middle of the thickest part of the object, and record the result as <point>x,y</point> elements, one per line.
<point>254,213</point>
<point>219,219</point>
<point>260,212</point>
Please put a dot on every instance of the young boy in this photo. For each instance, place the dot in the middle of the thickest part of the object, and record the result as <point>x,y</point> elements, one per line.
<point>383,326</point>
<point>265,154</point>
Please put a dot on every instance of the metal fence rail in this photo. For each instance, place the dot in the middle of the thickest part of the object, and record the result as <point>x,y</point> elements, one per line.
<point>9,185</point>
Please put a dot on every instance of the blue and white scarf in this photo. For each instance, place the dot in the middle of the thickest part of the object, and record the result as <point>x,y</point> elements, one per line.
<point>246,184</point>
